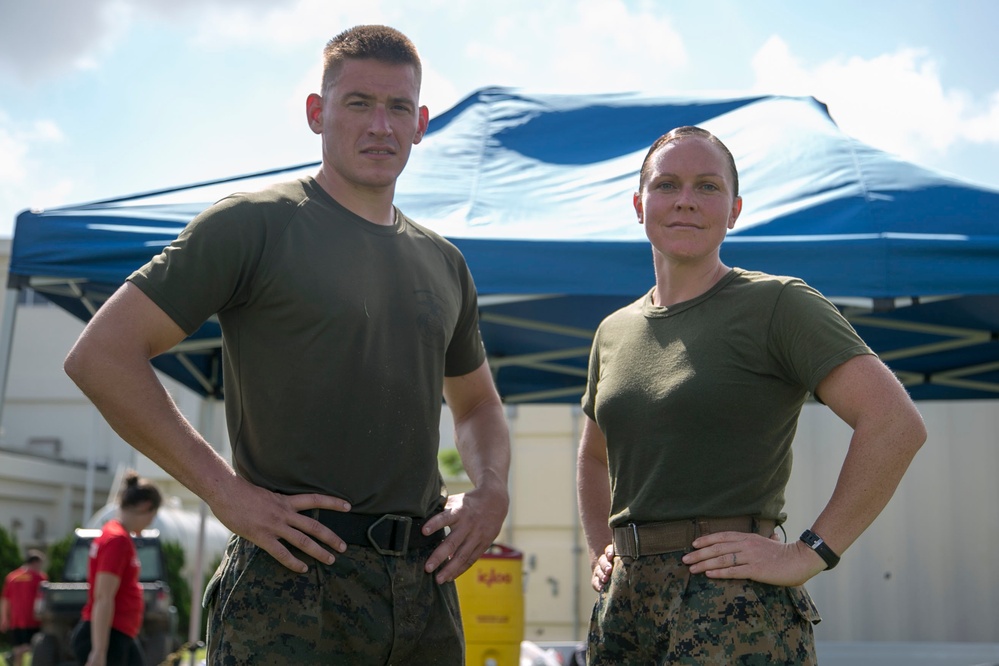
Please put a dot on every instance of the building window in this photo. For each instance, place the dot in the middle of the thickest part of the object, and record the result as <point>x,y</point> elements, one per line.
<point>46,447</point>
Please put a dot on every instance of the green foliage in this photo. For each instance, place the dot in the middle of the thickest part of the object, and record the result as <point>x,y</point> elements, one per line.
<point>173,560</point>
<point>10,559</point>
<point>450,462</point>
<point>11,556</point>
<point>209,572</point>
<point>184,618</point>
<point>57,554</point>
<point>173,556</point>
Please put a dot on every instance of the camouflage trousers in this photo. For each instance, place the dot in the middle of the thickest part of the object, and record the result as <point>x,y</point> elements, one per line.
<point>363,609</point>
<point>653,611</point>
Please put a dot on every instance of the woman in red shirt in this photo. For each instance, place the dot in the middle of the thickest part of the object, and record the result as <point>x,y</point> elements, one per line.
<point>113,615</point>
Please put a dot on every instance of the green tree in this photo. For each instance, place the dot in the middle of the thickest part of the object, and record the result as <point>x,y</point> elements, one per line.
<point>11,556</point>
<point>449,461</point>
<point>10,559</point>
<point>57,554</point>
<point>173,559</point>
<point>209,572</point>
<point>184,619</point>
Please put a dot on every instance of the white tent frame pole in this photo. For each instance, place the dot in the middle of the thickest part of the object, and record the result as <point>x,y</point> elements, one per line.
<point>7,341</point>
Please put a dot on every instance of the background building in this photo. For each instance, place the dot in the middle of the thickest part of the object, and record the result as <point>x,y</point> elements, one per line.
<point>58,456</point>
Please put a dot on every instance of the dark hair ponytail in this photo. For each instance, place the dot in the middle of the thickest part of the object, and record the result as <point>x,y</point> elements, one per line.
<point>136,490</point>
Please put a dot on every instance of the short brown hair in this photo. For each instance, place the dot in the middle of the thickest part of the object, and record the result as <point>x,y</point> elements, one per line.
<point>371,42</point>
<point>675,135</point>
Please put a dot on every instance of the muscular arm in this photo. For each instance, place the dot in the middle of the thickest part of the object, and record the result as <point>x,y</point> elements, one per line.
<point>887,433</point>
<point>101,614</point>
<point>593,488</point>
<point>110,364</point>
<point>483,440</point>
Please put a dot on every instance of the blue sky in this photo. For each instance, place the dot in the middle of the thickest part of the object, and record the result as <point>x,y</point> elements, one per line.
<point>100,98</point>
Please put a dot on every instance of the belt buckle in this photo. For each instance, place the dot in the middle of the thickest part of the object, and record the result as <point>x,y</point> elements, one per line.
<point>405,520</point>
<point>634,532</point>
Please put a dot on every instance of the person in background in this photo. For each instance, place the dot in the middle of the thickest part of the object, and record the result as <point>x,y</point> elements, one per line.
<point>344,323</point>
<point>112,617</point>
<point>692,402</point>
<point>17,604</point>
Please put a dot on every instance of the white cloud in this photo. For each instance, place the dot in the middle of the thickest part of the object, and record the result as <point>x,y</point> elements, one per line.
<point>585,46</point>
<point>46,37</point>
<point>895,101</point>
<point>984,127</point>
<point>16,144</point>
<point>778,71</point>
<point>12,152</point>
<point>46,130</point>
<point>557,46</point>
<point>42,38</point>
<point>23,182</point>
<point>289,22</point>
<point>610,48</point>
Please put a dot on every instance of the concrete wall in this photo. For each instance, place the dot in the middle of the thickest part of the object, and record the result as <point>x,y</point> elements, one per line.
<point>925,570</point>
<point>545,523</point>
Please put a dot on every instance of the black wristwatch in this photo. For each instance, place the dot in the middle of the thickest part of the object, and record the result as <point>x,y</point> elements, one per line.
<point>815,542</point>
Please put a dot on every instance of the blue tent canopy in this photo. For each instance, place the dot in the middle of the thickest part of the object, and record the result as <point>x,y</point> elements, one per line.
<point>536,191</point>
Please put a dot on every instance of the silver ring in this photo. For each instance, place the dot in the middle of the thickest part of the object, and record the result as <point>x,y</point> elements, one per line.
<point>735,561</point>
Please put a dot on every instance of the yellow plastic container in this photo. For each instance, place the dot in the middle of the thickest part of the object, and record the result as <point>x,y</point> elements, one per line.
<point>491,594</point>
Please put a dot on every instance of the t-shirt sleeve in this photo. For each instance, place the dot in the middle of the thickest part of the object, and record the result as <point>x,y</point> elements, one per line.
<point>209,266</point>
<point>466,351</point>
<point>592,375</point>
<point>113,556</point>
<point>809,336</point>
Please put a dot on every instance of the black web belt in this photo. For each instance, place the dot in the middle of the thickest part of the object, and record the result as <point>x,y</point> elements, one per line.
<point>388,534</point>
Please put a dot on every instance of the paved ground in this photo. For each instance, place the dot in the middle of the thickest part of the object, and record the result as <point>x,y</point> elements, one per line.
<point>907,654</point>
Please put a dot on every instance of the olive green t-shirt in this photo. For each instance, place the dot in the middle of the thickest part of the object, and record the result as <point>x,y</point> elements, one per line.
<point>337,335</point>
<point>699,401</point>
